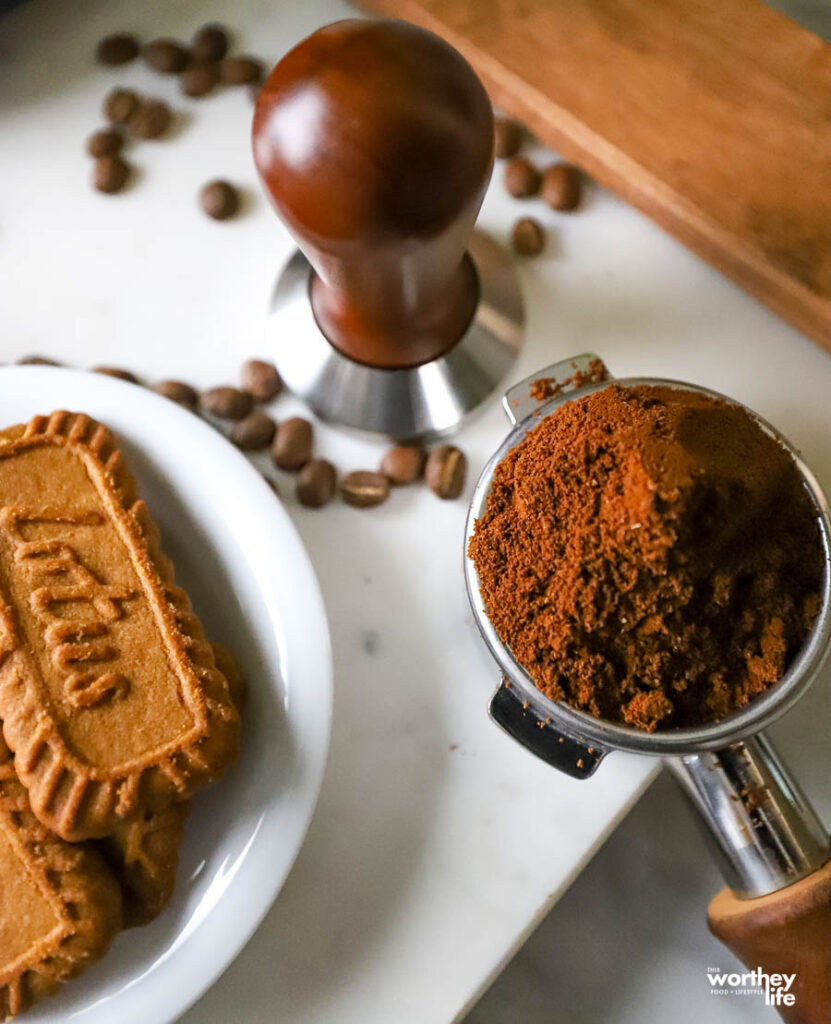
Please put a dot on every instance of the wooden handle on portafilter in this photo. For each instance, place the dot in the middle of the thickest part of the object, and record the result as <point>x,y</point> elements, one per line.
<point>374,140</point>
<point>785,932</point>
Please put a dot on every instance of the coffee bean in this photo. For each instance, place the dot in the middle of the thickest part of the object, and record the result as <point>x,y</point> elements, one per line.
<point>119,48</point>
<point>110,174</point>
<point>226,402</point>
<point>210,43</point>
<point>199,80</point>
<point>403,464</point>
<point>219,200</point>
<point>255,432</point>
<point>37,361</point>
<point>240,70</point>
<point>292,447</point>
<point>104,142</point>
<point>528,236</point>
<point>445,471</point>
<point>167,56</point>
<point>561,187</point>
<point>316,483</point>
<point>120,105</point>
<point>522,179</point>
<point>177,391</point>
<point>364,489</point>
<point>261,380</point>
<point>507,137</point>
<point>117,372</point>
<point>151,120</point>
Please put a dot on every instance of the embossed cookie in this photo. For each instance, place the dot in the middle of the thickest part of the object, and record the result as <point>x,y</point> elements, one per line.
<point>60,906</point>
<point>109,692</point>
<point>228,665</point>
<point>144,855</point>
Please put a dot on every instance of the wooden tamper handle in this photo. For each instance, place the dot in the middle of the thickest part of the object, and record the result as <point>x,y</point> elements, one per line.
<point>374,140</point>
<point>785,932</point>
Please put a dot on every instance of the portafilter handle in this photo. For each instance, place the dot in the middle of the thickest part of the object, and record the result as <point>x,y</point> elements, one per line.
<point>774,853</point>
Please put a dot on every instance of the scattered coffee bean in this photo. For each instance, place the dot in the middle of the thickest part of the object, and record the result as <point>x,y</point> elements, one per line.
<point>561,187</point>
<point>522,179</point>
<point>119,48</point>
<point>37,361</point>
<point>403,464</point>
<point>261,380</point>
<point>177,391</point>
<point>167,56</point>
<point>199,80</point>
<point>151,120</point>
<point>240,70</point>
<point>528,236</point>
<point>507,137</point>
<point>209,44</point>
<point>116,371</point>
<point>316,483</point>
<point>226,402</point>
<point>363,489</point>
<point>445,471</point>
<point>120,105</point>
<point>219,200</point>
<point>292,447</point>
<point>110,174</point>
<point>104,142</point>
<point>255,432</point>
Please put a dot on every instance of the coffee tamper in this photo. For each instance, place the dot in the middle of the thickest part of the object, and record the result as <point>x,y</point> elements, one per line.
<point>374,140</point>
<point>775,854</point>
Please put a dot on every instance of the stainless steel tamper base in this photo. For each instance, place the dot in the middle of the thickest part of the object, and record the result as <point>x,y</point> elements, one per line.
<point>423,402</point>
<point>765,833</point>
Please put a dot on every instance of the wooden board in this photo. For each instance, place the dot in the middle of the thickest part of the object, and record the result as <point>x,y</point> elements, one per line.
<point>713,118</point>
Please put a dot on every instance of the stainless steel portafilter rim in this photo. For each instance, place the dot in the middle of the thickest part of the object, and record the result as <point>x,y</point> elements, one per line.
<point>596,733</point>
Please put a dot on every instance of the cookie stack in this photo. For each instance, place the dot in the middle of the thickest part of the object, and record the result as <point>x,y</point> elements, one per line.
<point>115,708</point>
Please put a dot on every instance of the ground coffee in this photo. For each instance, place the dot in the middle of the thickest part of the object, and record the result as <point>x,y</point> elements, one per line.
<point>651,556</point>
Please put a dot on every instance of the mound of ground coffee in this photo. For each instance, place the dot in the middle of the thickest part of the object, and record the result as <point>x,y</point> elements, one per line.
<point>651,556</point>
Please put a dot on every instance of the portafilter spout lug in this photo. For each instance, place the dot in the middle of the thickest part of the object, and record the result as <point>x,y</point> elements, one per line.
<point>765,833</point>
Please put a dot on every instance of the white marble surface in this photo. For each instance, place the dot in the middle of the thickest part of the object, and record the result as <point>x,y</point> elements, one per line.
<point>437,843</point>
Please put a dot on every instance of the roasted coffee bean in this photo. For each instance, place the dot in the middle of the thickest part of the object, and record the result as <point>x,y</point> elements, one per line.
<point>167,56</point>
<point>105,142</point>
<point>316,483</point>
<point>522,179</point>
<point>261,380</point>
<point>119,48</point>
<point>403,464</point>
<point>364,489</point>
<point>219,200</point>
<point>199,80</point>
<point>117,372</point>
<point>209,44</point>
<point>255,432</point>
<point>120,105</point>
<point>151,120</point>
<point>293,441</point>
<point>507,137</point>
<point>37,361</point>
<point>226,402</point>
<point>240,70</point>
<point>110,174</point>
<point>177,391</point>
<point>528,236</point>
<point>445,471</point>
<point>561,187</point>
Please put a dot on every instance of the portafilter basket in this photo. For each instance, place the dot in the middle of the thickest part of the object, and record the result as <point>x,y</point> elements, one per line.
<point>773,849</point>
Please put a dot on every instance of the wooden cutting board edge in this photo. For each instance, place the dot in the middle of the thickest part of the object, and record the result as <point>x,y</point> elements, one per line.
<point>613,169</point>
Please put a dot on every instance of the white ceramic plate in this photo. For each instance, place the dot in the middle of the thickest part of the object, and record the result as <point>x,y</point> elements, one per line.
<point>239,558</point>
